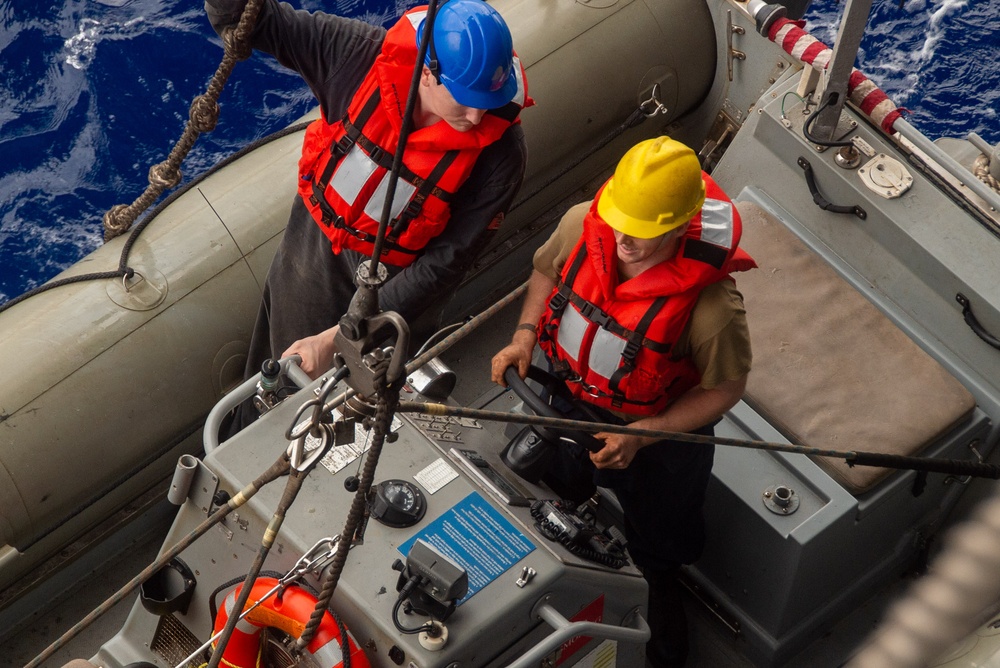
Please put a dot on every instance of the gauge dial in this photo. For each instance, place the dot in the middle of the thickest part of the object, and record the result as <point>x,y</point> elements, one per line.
<point>398,503</point>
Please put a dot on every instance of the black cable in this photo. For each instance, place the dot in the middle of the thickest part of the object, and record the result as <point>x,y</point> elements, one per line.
<point>404,594</point>
<point>812,117</point>
<point>213,609</point>
<point>932,464</point>
<point>613,558</point>
<point>428,628</point>
<point>404,133</point>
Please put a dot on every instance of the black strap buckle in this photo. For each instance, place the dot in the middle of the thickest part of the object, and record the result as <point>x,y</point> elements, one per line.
<point>413,208</point>
<point>631,350</point>
<point>377,154</point>
<point>596,315</point>
<point>343,145</point>
<point>341,224</point>
<point>558,301</point>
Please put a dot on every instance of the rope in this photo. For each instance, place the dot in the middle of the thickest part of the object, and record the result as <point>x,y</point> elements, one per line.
<point>202,117</point>
<point>292,486</point>
<point>123,268</point>
<point>388,399</point>
<point>65,281</point>
<point>948,602</point>
<point>981,168</point>
<point>852,457</point>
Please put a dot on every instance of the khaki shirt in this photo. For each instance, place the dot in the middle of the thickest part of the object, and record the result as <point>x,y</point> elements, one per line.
<point>716,338</point>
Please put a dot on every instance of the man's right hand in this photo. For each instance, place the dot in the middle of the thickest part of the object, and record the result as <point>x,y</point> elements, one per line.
<point>316,352</point>
<point>517,354</point>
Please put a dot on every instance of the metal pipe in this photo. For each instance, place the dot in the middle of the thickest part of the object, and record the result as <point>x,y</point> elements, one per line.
<point>964,176</point>
<point>980,143</point>
<point>565,629</point>
<point>180,485</point>
<point>210,433</point>
<point>991,152</point>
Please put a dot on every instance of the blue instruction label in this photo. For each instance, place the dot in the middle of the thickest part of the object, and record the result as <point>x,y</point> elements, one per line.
<point>476,537</point>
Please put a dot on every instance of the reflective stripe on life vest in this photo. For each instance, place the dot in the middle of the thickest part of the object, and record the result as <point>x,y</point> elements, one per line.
<point>345,168</point>
<point>613,340</point>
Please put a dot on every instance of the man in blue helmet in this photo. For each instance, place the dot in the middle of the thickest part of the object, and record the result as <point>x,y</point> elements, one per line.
<point>463,163</point>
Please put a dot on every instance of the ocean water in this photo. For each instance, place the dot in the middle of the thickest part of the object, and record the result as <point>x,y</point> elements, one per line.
<point>93,92</point>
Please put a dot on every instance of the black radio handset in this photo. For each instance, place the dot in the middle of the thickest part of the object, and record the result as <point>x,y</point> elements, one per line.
<point>574,527</point>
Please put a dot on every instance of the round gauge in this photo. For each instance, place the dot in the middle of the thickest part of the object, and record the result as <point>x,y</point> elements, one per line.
<point>398,503</point>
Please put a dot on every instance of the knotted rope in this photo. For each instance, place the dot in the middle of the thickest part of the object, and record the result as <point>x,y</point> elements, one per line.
<point>981,168</point>
<point>202,117</point>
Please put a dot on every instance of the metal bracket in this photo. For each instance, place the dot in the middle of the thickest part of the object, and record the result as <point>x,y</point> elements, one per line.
<point>733,53</point>
<point>527,573</point>
<point>204,484</point>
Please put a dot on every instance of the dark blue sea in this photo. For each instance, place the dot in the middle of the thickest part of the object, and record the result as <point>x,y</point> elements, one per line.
<point>93,92</point>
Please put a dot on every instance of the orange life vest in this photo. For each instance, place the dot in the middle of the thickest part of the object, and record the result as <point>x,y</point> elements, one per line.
<point>613,341</point>
<point>345,166</point>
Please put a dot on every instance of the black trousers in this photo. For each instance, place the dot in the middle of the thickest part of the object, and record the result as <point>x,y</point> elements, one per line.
<point>661,493</point>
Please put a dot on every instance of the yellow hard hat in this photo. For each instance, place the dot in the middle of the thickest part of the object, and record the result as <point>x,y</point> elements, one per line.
<point>656,188</point>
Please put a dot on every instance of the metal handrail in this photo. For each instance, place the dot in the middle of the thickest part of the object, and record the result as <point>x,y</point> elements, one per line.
<point>210,433</point>
<point>565,630</point>
<point>949,164</point>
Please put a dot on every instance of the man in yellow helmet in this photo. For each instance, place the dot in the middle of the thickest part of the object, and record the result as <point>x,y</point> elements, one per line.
<point>632,302</point>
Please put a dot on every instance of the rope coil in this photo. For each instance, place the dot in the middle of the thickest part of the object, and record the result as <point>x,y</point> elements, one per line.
<point>981,168</point>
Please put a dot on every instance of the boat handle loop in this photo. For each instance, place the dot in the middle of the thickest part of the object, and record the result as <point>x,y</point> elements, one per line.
<point>973,322</point>
<point>821,201</point>
<point>129,274</point>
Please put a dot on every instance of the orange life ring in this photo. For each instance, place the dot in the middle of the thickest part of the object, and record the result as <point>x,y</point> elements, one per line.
<point>288,611</point>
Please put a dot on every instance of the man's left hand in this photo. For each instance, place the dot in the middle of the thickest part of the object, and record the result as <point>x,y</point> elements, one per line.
<point>618,452</point>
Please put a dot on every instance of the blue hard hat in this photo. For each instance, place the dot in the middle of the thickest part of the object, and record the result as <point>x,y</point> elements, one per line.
<point>473,51</point>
